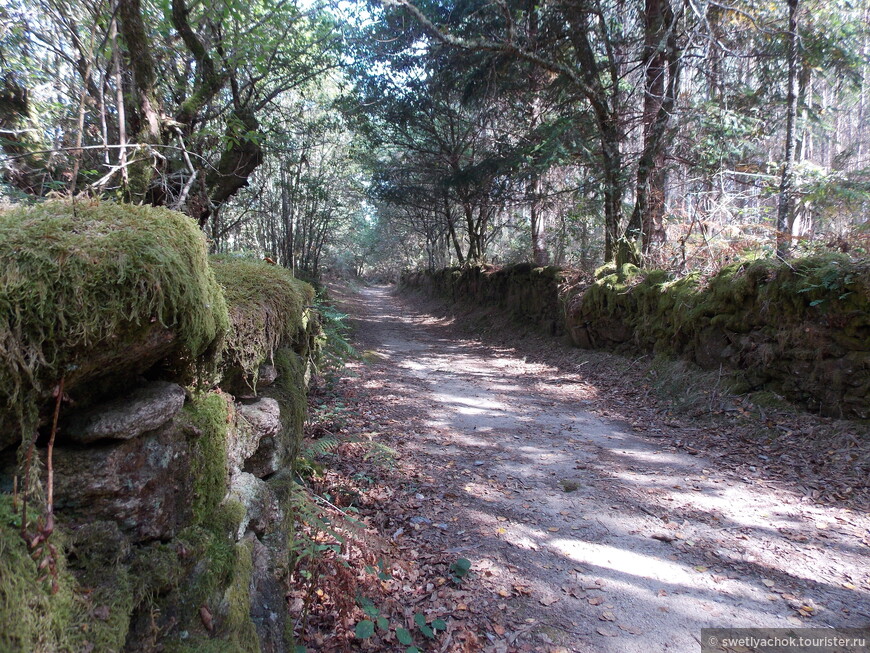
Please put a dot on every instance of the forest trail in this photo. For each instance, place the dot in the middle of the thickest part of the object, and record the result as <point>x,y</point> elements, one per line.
<point>588,534</point>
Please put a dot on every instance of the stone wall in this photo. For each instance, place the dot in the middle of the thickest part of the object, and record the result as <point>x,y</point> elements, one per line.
<point>172,457</point>
<point>527,293</point>
<point>801,328</point>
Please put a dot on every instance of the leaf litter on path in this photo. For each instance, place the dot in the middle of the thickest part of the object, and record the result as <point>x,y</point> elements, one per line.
<point>703,561</point>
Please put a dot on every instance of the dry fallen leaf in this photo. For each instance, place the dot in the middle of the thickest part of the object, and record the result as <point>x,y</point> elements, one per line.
<point>767,582</point>
<point>663,537</point>
<point>607,616</point>
<point>205,616</point>
<point>595,600</point>
<point>553,529</point>
<point>606,632</point>
<point>499,630</point>
<point>594,585</point>
<point>630,629</point>
<point>549,600</point>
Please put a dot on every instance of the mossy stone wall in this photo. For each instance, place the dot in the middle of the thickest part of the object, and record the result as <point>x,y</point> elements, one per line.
<point>799,328</point>
<point>112,298</point>
<point>527,293</point>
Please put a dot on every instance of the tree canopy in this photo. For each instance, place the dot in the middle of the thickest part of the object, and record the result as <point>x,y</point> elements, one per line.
<point>390,133</point>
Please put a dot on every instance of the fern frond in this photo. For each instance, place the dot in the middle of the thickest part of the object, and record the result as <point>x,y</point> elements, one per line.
<point>322,446</point>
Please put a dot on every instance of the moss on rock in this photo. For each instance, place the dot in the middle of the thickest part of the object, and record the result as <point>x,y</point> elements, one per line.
<point>209,414</point>
<point>801,328</point>
<point>238,627</point>
<point>78,278</point>
<point>32,618</point>
<point>268,307</point>
<point>290,390</point>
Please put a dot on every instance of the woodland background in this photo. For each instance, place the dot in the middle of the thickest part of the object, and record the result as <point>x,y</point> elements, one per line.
<point>364,138</point>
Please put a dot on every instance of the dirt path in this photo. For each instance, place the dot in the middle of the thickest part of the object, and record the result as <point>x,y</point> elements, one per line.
<point>588,534</point>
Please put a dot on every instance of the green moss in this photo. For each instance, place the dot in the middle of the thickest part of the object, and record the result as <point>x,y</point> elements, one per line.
<point>201,644</point>
<point>32,618</point>
<point>240,630</point>
<point>78,277</point>
<point>290,390</point>
<point>209,414</point>
<point>156,570</point>
<point>222,581</point>
<point>268,306</point>
<point>605,270</point>
<point>98,555</point>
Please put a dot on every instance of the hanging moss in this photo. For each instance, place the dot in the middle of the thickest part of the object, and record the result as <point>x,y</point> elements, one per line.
<point>79,278</point>
<point>240,630</point>
<point>291,392</point>
<point>209,414</point>
<point>268,306</point>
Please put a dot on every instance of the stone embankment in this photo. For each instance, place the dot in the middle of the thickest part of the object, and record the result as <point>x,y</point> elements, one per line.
<point>799,328</point>
<point>182,404</point>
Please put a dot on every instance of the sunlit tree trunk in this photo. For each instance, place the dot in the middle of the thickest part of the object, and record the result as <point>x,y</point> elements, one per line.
<point>540,256</point>
<point>661,84</point>
<point>785,210</point>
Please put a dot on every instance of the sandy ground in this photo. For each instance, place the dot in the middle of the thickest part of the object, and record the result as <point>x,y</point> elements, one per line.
<point>588,534</point>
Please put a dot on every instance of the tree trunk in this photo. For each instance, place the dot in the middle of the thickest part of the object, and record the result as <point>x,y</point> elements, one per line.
<point>237,162</point>
<point>144,113</point>
<point>613,190</point>
<point>785,210</point>
<point>451,227</point>
<point>539,233</point>
<point>661,84</point>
